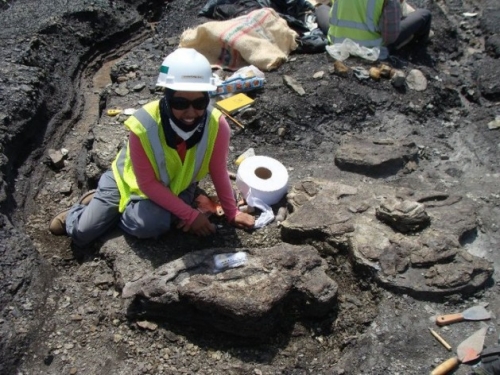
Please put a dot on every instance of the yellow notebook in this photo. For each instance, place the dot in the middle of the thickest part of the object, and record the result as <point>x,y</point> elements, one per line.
<point>234,103</point>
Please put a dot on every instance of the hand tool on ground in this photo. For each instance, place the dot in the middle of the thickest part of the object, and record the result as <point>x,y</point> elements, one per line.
<point>440,339</point>
<point>467,351</point>
<point>472,313</point>
<point>234,120</point>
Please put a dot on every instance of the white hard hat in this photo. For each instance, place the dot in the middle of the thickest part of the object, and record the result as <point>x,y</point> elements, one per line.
<point>186,69</point>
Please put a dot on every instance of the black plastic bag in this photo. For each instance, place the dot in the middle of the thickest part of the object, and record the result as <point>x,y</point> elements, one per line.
<point>314,42</point>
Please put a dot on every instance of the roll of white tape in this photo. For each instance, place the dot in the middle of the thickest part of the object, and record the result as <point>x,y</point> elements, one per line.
<point>262,177</point>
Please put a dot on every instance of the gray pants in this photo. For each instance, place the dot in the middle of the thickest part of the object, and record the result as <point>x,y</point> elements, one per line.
<point>141,218</point>
<point>417,25</point>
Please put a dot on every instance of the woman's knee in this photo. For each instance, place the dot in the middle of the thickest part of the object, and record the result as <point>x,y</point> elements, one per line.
<point>424,15</point>
<point>144,219</point>
<point>144,231</point>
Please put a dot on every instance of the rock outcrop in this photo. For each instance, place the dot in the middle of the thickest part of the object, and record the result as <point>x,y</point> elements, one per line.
<point>410,241</point>
<point>251,300</point>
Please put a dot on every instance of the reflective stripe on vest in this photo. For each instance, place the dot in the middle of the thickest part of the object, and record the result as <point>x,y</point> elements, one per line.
<point>151,127</point>
<point>370,37</point>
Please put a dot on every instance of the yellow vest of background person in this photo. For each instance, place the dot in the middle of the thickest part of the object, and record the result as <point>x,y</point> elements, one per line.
<point>357,20</point>
<point>145,123</point>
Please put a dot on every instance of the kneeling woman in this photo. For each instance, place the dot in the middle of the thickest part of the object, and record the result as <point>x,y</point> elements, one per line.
<point>174,142</point>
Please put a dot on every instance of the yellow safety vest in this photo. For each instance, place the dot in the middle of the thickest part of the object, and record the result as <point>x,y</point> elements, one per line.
<point>357,20</point>
<point>145,123</point>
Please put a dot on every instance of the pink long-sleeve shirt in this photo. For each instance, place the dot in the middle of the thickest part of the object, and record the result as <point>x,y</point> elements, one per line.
<point>163,196</point>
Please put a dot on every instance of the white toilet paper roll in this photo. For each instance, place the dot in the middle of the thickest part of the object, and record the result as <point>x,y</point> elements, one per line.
<point>263,177</point>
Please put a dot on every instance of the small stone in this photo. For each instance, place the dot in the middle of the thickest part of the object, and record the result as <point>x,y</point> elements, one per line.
<point>416,80</point>
<point>495,124</point>
<point>217,355</point>
<point>411,166</point>
<point>73,371</point>
<point>385,71</point>
<point>56,158</point>
<point>147,325</point>
<point>76,318</point>
<point>65,187</point>
<point>172,41</point>
<point>319,75</point>
<point>294,84</point>
<point>340,68</point>
<point>281,215</point>
<point>398,78</point>
<point>139,86</point>
<point>374,73</point>
<point>121,91</point>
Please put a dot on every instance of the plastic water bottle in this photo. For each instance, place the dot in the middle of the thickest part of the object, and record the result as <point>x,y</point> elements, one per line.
<point>230,260</point>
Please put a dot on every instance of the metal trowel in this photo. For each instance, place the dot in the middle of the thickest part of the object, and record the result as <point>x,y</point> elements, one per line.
<point>472,313</point>
<point>467,351</point>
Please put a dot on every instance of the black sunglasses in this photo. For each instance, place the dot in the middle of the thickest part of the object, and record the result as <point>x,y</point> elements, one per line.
<point>180,104</point>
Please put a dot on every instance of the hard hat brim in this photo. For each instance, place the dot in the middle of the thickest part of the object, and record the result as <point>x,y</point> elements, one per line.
<point>189,86</point>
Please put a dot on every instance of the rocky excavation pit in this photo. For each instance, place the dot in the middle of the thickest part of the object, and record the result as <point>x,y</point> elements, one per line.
<point>392,207</point>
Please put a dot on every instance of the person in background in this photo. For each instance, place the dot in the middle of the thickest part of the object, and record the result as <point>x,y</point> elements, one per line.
<point>173,143</point>
<point>387,24</point>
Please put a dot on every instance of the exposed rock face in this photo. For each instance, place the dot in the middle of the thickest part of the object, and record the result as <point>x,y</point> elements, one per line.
<point>251,300</point>
<point>25,278</point>
<point>430,262</point>
<point>45,44</point>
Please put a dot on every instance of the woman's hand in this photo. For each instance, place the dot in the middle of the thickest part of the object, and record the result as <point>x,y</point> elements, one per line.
<point>243,220</point>
<point>201,226</point>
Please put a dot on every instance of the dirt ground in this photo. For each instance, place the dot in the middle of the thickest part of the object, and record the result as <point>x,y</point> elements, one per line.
<point>68,315</point>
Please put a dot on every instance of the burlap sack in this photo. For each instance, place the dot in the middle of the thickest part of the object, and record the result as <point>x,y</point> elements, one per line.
<point>260,38</point>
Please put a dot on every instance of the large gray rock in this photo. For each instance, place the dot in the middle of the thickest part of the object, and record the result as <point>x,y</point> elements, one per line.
<point>428,262</point>
<point>488,80</point>
<point>374,157</point>
<point>251,300</point>
<point>490,19</point>
<point>492,45</point>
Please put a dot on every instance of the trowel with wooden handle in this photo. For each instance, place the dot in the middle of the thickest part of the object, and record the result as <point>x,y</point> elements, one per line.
<point>472,313</point>
<point>467,351</point>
